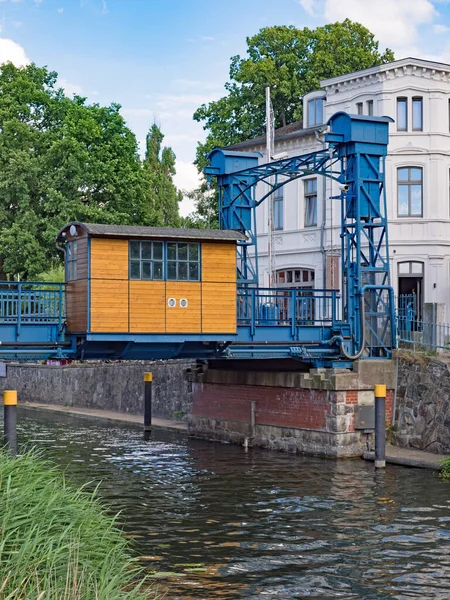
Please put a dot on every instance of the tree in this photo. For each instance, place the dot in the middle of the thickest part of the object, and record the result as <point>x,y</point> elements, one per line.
<point>60,160</point>
<point>159,169</point>
<point>292,62</point>
<point>205,215</point>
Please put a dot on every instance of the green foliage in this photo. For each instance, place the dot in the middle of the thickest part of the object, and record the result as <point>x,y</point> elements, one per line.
<point>54,274</point>
<point>445,469</point>
<point>159,168</point>
<point>292,62</point>
<point>206,211</point>
<point>60,160</point>
<point>57,542</point>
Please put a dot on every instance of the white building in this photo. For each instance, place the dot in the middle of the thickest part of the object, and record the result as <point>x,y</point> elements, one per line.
<point>416,94</point>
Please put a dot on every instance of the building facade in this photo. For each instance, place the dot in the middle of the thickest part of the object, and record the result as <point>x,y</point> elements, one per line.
<point>306,242</point>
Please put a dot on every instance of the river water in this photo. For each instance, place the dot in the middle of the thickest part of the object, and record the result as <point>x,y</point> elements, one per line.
<point>232,524</point>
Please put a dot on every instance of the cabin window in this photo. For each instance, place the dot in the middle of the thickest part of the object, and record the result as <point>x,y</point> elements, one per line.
<point>146,260</point>
<point>183,261</point>
<point>71,261</point>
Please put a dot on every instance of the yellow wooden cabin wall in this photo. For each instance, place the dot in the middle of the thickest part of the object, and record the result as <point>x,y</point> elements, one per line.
<point>218,288</point>
<point>121,305</point>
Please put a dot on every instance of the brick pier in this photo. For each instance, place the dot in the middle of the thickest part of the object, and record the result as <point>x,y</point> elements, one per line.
<point>311,413</point>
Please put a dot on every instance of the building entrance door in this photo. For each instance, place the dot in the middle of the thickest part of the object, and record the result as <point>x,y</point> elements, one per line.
<point>410,287</point>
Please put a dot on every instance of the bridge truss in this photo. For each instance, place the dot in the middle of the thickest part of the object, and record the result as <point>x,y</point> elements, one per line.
<point>363,325</point>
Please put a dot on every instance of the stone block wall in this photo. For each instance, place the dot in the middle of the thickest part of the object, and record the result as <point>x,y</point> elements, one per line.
<point>112,386</point>
<point>422,415</point>
<point>311,412</point>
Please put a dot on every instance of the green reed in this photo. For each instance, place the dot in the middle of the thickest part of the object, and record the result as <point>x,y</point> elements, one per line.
<point>57,542</point>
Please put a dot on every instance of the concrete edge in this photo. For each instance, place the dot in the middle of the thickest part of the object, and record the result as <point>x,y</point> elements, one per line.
<point>407,462</point>
<point>108,416</point>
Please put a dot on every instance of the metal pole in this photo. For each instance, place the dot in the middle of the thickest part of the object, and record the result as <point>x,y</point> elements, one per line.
<point>148,378</point>
<point>253,418</point>
<point>10,421</point>
<point>380,426</point>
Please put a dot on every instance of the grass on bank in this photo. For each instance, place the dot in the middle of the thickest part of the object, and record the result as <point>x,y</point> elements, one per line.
<point>57,542</point>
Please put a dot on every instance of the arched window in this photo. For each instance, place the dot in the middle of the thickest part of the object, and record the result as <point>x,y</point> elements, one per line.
<point>296,278</point>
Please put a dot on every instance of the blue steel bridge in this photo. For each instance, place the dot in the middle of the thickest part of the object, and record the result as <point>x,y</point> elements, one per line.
<point>318,327</point>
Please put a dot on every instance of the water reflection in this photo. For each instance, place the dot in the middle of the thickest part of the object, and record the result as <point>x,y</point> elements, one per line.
<point>260,524</point>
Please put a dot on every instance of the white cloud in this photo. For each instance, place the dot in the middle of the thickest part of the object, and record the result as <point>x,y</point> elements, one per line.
<point>438,28</point>
<point>70,88</point>
<point>12,51</point>
<point>196,84</point>
<point>207,38</point>
<point>308,6</point>
<point>186,178</point>
<point>168,101</point>
<point>395,23</point>
<point>60,10</point>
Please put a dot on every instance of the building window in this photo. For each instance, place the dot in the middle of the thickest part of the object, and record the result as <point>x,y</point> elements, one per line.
<point>146,260</point>
<point>410,191</point>
<point>72,249</point>
<point>359,108</point>
<point>278,208</point>
<point>183,261</point>
<point>315,112</point>
<point>370,107</point>
<point>417,114</point>
<point>296,278</point>
<point>402,114</point>
<point>310,202</point>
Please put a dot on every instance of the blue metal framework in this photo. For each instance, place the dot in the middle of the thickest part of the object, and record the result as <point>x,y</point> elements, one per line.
<point>355,157</point>
<point>317,326</point>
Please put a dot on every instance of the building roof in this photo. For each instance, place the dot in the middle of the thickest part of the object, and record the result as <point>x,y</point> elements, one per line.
<point>136,231</point>
<point>396,64</point>
<point>294,130</point>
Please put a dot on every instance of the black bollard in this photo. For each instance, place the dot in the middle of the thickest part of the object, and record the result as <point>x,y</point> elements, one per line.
<point>10,421</point>
<point>148,378</point>
<point>380,426</point>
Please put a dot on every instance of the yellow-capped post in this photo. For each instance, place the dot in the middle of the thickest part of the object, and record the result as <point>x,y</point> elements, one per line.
<point>148,379</point>
<point>10,420</point>
<point>380,426</point>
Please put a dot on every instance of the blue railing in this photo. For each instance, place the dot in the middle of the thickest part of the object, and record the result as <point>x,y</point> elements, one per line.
<point>36,302</point>
<point>262,307</point>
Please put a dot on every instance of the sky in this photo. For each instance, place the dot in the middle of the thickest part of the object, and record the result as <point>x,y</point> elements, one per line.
<point>162,59</point>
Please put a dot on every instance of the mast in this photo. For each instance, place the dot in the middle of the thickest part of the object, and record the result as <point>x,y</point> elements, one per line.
<point>270,221</point>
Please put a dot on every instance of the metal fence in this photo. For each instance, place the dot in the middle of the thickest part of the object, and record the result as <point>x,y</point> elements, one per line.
<point>421,332</point>
<point>278,306</point>
<point>39,302</point>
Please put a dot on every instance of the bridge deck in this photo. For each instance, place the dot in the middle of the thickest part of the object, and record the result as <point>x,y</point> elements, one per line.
<point>271,323</point>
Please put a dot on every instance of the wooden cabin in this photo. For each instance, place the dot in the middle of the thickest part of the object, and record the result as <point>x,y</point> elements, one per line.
<point>127,279</point>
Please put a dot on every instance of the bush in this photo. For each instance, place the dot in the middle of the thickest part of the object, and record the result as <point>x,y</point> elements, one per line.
<point>445,469</point>
<point>57,542</point>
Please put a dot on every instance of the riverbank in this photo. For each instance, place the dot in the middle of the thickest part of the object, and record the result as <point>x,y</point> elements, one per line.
<point>394,455</point>
<point>106,415</point>
<point>57,541</point>
<point>407,457</point>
